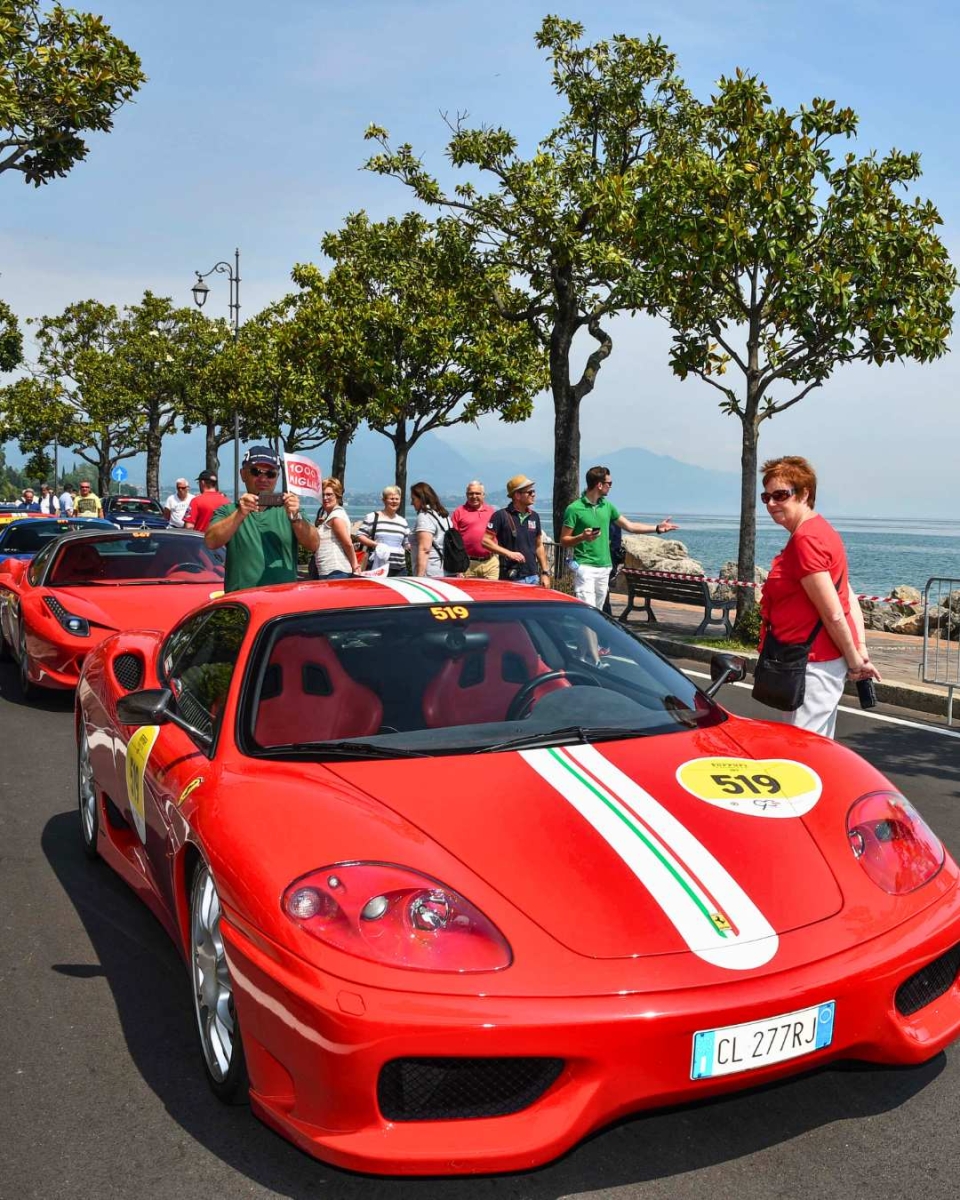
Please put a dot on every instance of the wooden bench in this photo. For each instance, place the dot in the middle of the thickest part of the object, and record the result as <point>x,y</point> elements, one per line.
<point>645,587</point>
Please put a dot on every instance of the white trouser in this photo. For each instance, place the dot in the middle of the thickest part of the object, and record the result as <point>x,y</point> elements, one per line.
<point>591,584</point>
<point>822,692</point>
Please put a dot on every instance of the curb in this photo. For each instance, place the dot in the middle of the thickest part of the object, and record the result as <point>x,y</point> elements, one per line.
<point>901,695</point>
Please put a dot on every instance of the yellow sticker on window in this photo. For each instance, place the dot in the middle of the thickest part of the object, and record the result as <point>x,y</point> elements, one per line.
<point>138,753</point>
<point>141,533</point>
<point>449,612</point>
<point>769,787</point>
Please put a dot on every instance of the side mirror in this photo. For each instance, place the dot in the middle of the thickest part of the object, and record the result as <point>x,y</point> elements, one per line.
<point>14,568</point>
<point>155,706</point>
<point>726,668</point>
<point>148,707</point>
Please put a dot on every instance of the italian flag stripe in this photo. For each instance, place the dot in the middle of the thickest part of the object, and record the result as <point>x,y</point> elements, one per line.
<point>708,908</point>
<point>426,590</point>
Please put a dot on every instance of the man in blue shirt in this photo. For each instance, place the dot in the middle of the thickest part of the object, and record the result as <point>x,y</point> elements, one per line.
<point>28,502</point>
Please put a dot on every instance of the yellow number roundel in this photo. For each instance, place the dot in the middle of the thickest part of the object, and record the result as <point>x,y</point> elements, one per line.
<point>770,787</point>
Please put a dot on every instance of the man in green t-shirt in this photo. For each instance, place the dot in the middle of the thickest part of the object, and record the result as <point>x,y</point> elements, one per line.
<point>261,538</point>
<point>586,531</point>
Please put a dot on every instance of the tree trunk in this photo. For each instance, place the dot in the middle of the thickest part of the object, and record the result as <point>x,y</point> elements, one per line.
<point>747,552</point>
<point>401,450</point>
<point>152,441</point>
<point>104,466</point>
<point>566,405</point>
<point>211,446</point>
<point>338,468</point>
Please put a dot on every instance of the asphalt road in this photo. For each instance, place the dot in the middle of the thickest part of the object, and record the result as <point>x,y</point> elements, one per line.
<point>102,1092</point>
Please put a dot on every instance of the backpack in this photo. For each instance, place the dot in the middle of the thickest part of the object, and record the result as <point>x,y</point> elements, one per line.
<point>454,555</point>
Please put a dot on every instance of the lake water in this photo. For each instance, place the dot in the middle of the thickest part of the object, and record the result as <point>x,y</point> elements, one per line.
<point>882,552</point>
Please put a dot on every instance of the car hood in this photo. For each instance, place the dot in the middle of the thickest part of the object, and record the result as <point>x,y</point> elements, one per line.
<point>134,606</point>
<point>630,848</point>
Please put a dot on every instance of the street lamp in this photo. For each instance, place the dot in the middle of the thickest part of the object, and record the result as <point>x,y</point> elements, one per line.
<point>200,293</point>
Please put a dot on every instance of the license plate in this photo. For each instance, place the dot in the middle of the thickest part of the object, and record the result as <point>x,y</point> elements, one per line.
<point>759,1043</point>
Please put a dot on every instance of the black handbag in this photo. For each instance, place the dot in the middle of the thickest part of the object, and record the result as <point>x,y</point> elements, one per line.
<point>780,678</point>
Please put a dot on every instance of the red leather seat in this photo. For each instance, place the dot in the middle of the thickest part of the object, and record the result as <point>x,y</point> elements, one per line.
<point>312,698</point>
<point>480,685</point>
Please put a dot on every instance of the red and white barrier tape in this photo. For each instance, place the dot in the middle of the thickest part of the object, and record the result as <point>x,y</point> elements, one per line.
<point>743,584</point>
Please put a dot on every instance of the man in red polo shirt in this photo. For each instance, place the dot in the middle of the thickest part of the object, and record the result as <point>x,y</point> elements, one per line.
<point>471,519</point>
<point>202,507</point>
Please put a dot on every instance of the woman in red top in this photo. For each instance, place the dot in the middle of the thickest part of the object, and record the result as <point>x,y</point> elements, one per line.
<point>809,582</point>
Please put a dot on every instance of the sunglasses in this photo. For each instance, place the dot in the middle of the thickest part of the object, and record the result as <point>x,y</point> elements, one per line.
<point>779,495</point>
<point>262,472</point>
<point>528,491</point>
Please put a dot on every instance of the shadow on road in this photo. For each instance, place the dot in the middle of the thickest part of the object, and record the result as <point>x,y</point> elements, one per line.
<point>48,699</point>
<point>152,996</point>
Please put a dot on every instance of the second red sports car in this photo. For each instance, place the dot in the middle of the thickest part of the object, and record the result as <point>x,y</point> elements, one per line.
<point>83,587</point>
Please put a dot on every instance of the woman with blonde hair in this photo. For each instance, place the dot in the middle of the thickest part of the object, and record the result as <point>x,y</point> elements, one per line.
<point>808,601</point>
<point>335,557</point>
<point>386,534</point>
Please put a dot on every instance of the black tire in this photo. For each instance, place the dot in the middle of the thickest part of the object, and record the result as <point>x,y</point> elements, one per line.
<point>87,803</point>
<point>220,1042</point>
<point>28,690</point>
<point>5,652</point>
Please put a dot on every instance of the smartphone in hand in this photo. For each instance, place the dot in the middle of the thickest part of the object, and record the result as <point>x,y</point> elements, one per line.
<point>269,500</point>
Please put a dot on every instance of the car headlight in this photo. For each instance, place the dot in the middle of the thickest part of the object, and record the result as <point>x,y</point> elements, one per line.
<point>396,916</point>
<point>893,843</point>
<point>78,626</point>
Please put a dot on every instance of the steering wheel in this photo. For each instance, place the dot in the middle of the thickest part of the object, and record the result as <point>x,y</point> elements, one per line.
<point>192,568</point>
<point>523,700</point>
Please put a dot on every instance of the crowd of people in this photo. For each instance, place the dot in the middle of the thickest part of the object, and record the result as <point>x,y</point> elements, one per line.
<point>812,633</point>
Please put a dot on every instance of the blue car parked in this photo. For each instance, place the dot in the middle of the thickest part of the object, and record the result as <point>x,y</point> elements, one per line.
<point>23,539</point>
<point>134,512</point>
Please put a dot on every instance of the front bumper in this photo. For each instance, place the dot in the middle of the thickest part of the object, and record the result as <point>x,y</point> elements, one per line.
<point>316,1045</point>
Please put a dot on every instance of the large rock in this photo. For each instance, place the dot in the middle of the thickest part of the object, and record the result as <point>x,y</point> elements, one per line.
<point>649,553</point>
<point>724,591</point>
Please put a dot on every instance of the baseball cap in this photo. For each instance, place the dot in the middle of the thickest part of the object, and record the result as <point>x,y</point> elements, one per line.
<point>207,477</point>
<point>518,482</point>
<point>261,454</point>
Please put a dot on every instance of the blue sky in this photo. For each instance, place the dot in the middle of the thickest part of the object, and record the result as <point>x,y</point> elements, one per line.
<point>249,133</point>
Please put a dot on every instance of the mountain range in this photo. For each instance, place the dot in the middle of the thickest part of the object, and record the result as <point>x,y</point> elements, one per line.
<point>650,484</point>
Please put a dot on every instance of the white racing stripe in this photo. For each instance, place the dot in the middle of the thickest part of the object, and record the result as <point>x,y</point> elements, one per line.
<point>708,908</point>
<point>856,712</point>
<point>425,590</point>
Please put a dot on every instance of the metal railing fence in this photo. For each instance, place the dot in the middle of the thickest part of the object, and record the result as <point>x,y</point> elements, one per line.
<point>941,636</point>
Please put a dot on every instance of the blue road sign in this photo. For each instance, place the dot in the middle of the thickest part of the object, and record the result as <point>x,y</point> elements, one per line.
<point>118,474</point>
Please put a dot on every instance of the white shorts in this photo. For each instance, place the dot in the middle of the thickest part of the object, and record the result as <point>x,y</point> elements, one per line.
<point>591,584</point>
<point>822,692</point>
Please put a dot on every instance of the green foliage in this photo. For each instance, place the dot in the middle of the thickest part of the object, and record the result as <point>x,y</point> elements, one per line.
<point>11,340</point>
<point>566,221</point>
<point>62,74</point>
<point>405,335</point>
<point>780,262</point>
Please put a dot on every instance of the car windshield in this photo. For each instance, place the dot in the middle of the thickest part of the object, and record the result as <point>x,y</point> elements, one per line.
<point>137,505</point>
<point>471,678</point>
<point>136,558</point>
<point>27,537</point>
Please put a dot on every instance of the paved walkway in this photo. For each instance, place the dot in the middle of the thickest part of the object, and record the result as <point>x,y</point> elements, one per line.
<point>897,658</point>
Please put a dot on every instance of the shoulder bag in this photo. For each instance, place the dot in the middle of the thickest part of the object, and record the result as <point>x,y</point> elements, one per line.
<point>780,677</point>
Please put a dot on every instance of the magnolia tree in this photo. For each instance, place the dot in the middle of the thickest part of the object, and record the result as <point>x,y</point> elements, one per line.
<point>786,263</point>
<point>62,74</point>
<point>74,396</point>
<point>566,222</point>
<point>428,349</point>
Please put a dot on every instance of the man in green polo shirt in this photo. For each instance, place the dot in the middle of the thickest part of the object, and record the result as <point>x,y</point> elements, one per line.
<point>586,531</point>
<point>261,539</point>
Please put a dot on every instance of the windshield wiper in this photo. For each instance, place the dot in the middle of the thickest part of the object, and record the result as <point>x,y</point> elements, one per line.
<point>564,736</point>
<point>342,750</point>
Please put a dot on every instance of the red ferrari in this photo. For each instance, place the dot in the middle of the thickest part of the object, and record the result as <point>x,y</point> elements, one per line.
<point>464,871</point>
<point>84,586</point>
